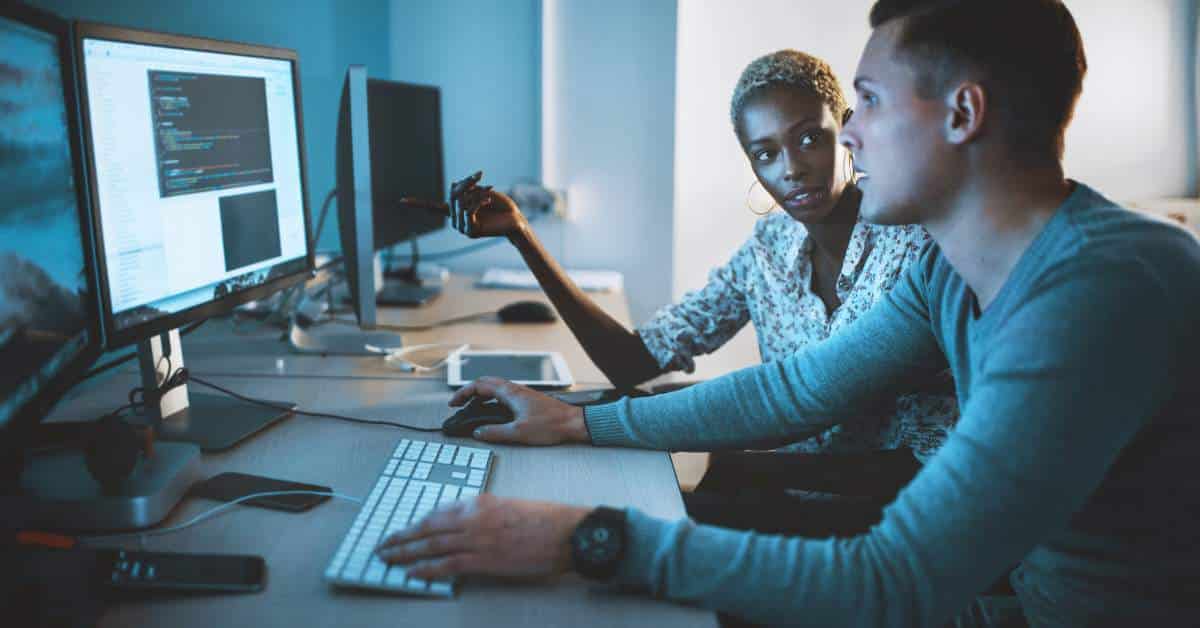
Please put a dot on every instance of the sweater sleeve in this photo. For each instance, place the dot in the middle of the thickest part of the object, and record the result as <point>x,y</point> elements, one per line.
<point>1044,423</point>
<point>851,374</point>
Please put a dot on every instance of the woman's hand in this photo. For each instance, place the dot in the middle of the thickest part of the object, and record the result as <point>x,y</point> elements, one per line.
<point>540,420</point>
<point>487,535</point>
<point>478,211</point>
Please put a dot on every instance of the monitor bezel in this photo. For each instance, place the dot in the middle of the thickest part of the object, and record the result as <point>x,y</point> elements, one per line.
<point>118,337</point>
<point>37,407</point>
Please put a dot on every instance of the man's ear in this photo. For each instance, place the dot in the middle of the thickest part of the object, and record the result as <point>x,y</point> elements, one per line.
<point>967,107</point>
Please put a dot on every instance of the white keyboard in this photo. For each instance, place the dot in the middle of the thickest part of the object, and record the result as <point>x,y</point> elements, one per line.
<point>418,477</point>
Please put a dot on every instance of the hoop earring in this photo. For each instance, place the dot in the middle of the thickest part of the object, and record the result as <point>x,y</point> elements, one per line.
<point>749,190</point>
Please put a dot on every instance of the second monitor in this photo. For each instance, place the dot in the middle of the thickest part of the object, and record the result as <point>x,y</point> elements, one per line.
<point>391,183</point>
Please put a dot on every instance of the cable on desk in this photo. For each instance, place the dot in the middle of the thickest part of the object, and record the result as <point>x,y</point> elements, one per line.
<point>213,512</point>
<point>319,415</point>
<point>424,327</point>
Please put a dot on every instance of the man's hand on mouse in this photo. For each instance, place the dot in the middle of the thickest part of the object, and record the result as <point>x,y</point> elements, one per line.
<point>540,420</point>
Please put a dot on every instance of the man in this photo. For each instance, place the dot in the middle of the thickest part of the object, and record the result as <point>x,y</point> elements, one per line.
<point>1067,322</point>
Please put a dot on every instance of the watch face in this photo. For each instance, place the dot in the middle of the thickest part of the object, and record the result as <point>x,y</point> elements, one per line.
<point>598,545</point>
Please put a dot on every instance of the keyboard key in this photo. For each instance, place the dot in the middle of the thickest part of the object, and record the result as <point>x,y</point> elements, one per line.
<point>441,587</point>
<point>449,494</point>
<point>395,577</point>
<point>463,459</point>
<point>476,478</point>
<point>468,491</point>
<point>400,448</point>
<point>430,453</point>
<point>416,584</point>
<point>446,456</point>
<point>479,459</point>
<point>422,472</point>
<point>414,451</point>
<point>405,469</point>
<point>391,467</point>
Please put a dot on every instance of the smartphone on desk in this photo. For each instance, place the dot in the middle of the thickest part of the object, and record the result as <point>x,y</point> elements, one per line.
<point>130,570</point>
<point>229,486</point>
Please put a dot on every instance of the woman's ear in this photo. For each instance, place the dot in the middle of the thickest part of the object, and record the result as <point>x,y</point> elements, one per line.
<point>846,116</point>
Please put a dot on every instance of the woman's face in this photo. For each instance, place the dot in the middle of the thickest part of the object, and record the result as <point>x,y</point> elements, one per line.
<point>790,137</point>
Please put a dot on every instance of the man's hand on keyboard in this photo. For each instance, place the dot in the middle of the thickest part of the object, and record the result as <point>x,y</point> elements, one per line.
<point>540,420</point>
<point>487,535</point>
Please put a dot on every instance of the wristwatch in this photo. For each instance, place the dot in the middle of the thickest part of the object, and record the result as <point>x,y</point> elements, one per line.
<point>598,543</point>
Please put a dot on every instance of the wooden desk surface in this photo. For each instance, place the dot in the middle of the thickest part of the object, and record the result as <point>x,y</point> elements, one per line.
<point>349,458</point>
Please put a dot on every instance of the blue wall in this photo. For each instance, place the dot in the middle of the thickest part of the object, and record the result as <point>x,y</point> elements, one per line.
<point>485,56</point>
<point>328,35</point>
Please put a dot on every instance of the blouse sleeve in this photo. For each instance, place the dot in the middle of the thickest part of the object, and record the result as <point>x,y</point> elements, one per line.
<point>706,318</point>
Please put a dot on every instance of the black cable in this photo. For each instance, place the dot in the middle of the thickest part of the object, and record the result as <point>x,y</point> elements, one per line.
<point>320,415</point>
<point>321,220</point>
<point>112,364</point>
<point>425,327</point>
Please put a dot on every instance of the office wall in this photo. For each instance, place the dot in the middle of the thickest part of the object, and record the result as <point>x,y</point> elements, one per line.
<point>1133,136</point>
<point>328,35</point>
<point>572,92</point>
<point>608,110</point>
<point>485,56</point>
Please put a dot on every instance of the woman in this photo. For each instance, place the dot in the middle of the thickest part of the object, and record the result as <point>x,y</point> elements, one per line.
<point>801,276</point>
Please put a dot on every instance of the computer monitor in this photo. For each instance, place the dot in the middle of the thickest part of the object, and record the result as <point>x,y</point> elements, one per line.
<point>408,177</point>
<point>354,203</point>
<point>49,320</point>
<point>406,159</point>
<point>195,154</point>
<point>389,183</point>
<point>49,330</point>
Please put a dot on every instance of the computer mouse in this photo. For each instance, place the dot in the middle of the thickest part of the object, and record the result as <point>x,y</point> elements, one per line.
<point>477,412</point>
<point>527,312</point>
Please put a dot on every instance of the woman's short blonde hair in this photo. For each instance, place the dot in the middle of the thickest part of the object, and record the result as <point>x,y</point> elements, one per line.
<point>789,68</point>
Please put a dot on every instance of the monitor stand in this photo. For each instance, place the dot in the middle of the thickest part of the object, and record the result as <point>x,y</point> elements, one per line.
<point>214,422</point>
<point>341,341</point>
<point>56,491</point>
<point>404,293</point>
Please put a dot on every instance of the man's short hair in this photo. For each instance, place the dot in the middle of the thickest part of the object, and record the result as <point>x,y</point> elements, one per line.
<point>1027,54</point>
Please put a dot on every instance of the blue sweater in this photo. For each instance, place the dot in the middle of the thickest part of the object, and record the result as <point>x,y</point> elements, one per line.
<point>1076,454</point>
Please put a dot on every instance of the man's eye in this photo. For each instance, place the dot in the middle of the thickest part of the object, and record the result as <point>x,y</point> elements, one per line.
<point>808,139</point>
<point>762,155</point>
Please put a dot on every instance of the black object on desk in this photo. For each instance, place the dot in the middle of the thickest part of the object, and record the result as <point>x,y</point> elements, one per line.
<point>229,486</point>
<point>526,312</point>
<point>476,413</point>
<point>165,571</point>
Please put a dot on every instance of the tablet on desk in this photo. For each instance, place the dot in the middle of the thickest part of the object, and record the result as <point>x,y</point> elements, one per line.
<point>538,369</point>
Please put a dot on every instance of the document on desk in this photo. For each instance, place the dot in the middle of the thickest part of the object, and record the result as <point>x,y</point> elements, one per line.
<point>587,280</point>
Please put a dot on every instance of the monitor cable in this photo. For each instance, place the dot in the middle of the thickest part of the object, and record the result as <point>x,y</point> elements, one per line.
<point>114,363</point>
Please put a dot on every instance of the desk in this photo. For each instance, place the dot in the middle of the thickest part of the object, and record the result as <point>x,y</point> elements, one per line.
<point>349,458</point>
<point>251,348</point>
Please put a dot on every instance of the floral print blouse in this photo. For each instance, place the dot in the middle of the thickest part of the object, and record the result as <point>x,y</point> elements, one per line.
<point>769,282</point>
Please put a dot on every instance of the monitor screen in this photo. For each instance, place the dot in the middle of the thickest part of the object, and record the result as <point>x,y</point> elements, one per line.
<point>198,175</point>
<point>406,158</point>
<point>47,323</point>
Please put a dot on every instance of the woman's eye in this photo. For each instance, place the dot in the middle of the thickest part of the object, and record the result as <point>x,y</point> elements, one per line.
<point>762,155</point>
<point>808,139</point>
